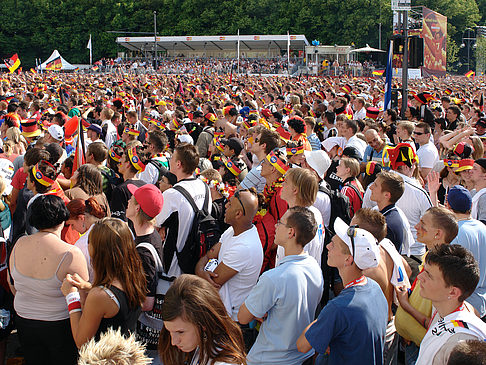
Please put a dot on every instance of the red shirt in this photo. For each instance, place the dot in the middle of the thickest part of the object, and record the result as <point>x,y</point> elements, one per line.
<point>19,179</point>
<point>355,200</point>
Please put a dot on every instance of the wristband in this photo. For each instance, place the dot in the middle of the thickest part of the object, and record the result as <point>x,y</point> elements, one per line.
<point>73,301</point>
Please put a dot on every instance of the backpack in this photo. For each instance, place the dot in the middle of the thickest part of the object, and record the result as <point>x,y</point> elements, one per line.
<point>340,206</point>
<point>358,193</point>
<point>160,168</point>
<point>204,233</point>
<point>113,181</point>
<point>150,323</point>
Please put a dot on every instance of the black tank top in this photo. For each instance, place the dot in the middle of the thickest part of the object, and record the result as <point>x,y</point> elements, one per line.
<point>125,319</point>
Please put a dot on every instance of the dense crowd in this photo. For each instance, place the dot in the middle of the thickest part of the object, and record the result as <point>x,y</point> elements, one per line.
<point>225,219</point>
<point>196,66</point>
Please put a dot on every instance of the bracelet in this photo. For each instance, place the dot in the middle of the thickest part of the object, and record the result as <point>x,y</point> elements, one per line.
<point>73,301</point>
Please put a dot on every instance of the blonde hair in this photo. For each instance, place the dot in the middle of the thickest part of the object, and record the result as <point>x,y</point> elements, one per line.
<point>306,183</point>
<point>478,147</point>
<point>113,349</point>
<point>352,164</point>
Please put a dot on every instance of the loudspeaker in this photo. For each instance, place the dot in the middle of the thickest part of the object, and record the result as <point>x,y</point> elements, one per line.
<point>416,52</point>
<point>397,44</point>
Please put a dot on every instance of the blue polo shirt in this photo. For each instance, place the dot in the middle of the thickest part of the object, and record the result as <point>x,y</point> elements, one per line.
<point>289,294</point>
<point>394,226</point>
<point>353,326</point>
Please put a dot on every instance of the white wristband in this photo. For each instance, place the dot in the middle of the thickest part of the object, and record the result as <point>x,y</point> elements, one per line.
<point>73,297</point>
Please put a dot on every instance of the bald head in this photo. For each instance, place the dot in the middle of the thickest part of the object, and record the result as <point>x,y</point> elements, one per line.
<point>249,200</point>
<point>374,139</point>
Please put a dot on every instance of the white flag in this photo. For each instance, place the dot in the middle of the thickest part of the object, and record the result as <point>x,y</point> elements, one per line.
<point>89,43</point>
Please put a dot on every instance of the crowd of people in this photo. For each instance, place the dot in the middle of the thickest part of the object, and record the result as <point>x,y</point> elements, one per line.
<point>226,219</point>
<point>195,66</point>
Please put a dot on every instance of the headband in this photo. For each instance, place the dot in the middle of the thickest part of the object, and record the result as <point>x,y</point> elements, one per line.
<point>465,164</point>
<point>135,160</point>
<point>217,143</point>
<point>114,156</point>
<point>157,123</point>
<point>277,163</point>
<point>291,151</point>
<point>40,177</point>
<point>176,123</point>
<point>131,131</point>
<point>231,166</point>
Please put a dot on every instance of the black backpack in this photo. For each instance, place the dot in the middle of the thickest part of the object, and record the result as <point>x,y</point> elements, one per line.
<point>160,168</point>
<point>113,181</point>
<point>340,206</point>
<point>204,233</point>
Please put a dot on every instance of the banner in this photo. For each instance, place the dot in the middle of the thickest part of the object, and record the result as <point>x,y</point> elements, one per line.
<point>434,33</point>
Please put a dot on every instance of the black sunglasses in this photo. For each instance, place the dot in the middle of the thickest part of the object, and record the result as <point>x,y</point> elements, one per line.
<point>418,133</point>
<point>352,232</point>
<point>237,196</point>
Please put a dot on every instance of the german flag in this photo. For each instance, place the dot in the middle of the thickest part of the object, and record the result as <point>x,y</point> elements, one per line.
<point>33,71</point>
<point>378,72</point>
<point>458,323</point>
<point>12,63</point>
<point>55,64</point>
<point>448,91</point>
<point>470,73</point>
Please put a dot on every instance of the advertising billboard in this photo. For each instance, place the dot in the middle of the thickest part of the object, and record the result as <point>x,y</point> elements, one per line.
<point>434,33</point>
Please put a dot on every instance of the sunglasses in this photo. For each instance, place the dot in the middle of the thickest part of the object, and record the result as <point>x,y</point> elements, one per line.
<point>352,232</point>
<point>419,133</point>
<point>237,196</point>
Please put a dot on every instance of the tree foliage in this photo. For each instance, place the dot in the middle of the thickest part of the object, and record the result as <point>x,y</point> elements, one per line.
<point>34,28</point>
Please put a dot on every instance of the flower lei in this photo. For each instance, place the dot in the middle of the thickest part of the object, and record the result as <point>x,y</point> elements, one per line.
<point>270,190</point>
<point>219,186</point>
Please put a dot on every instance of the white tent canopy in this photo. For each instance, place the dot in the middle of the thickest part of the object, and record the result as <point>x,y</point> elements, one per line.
<point>66,66</point>
<point>367,49</point>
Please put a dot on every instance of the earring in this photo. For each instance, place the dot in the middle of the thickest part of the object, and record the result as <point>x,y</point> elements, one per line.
<point>449,297</point>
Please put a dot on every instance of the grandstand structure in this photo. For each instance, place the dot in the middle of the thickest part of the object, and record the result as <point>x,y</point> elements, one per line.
<point>218,46</point>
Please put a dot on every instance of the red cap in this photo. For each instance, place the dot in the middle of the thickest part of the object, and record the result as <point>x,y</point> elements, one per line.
<point>149,197</point>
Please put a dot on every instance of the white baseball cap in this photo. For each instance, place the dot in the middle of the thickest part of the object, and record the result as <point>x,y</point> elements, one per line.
<point>319,161</point>
<point>185,138</point>
<point>366,251</point>
<point>56,132</point>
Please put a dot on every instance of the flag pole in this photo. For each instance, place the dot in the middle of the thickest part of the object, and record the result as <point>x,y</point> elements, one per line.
<point>238,72</point>
<point>288,53</point>
<point>90,51</point>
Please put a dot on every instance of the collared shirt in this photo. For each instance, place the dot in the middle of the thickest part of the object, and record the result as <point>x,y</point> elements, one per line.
<point>289,294</point>
<point>314,142</point>
<point>414,203</point>
<point>254,179</point>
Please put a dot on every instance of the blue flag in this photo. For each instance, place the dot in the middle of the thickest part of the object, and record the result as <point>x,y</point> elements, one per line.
<point>388,79</point>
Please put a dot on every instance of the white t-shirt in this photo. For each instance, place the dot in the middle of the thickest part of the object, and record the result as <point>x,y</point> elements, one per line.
<point>82,244</point>
<point>323,204</point>
<point>315,246</point>
<point>242,253</point>
<point>111,133</point>
<point>175,202</point>
<point>427,155</point>
<point>357,143</point>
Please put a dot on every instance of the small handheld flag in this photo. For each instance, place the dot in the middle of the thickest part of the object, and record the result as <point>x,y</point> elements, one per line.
<point>12,63</point>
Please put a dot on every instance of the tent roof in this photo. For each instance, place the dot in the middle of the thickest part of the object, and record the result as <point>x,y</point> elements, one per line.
<point>65,64</point>
<point>367,49</point>
<point>219,42</point>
